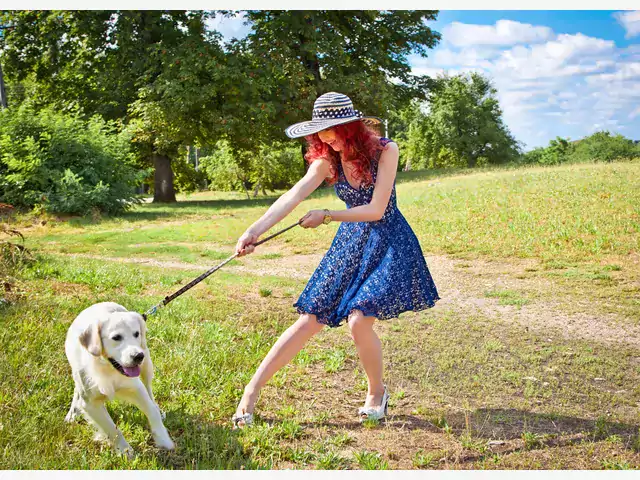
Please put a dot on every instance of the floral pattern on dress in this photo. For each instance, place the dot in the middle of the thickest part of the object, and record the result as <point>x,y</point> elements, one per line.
<point>376,267</point>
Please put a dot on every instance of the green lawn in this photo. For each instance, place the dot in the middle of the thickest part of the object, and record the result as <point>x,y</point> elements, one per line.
<point>529,361</point>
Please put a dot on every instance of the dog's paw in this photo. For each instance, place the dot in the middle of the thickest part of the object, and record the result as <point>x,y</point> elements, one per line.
<point>125,449</point>
<point>71,417</point>
<point>129,453</point>
<point>164,441</point>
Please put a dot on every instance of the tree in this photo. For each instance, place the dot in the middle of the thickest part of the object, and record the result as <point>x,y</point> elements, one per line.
<point>460,125</point>
<point>557,152</point>
<point>173,81</point>
<point>604,147</point>
<point>598,147</point>
<point>160,70</point>
<point>363,54</point>
<point>298,55</point>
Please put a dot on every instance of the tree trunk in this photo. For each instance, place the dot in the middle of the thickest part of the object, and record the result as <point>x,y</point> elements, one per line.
<point>163,180</point>
<point>3,94</point>
<point>244,185</point>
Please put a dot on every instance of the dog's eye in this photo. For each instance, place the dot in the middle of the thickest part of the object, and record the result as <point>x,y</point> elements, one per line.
<point>116,338</point>
<point>136,335</point>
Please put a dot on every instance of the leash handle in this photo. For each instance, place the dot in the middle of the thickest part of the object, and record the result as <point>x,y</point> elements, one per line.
<point>194,282</point>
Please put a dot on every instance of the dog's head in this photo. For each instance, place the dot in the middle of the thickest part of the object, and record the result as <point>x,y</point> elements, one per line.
<point>121,338</point>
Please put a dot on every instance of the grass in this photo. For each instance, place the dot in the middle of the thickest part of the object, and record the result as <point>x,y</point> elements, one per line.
<point>370,461</point>
<point>461,378</point>
<point>507,297</point>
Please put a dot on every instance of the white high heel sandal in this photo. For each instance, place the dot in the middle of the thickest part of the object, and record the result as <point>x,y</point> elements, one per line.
<point>245,418</point>
<point>375,413</point>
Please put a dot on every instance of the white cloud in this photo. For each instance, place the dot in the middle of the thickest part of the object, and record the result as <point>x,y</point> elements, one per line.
<point>509,97</point>
<point>229,27</point>
<point>630,21</point>
<point>624,71</point>
<point>565,85</point>
<point>567,94</point>
<point>504,32</point>
<point>429,71</point>
<point>467,57</point>
<point>567,55</point>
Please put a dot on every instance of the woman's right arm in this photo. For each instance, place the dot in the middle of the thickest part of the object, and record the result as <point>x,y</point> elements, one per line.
<point>318,171</point>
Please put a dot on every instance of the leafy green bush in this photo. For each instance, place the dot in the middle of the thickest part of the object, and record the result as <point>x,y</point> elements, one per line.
<point>275,166</point>
<point>222,168</point>
<point>63,164</point>
<point>278,166</point>
<point>185,176</point>
<point>599,147</point>
<point>532,156</point>
<point>604,147</point>
<point>557,152</point>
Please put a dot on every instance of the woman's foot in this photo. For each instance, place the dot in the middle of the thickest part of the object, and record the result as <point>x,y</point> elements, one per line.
<point>374,399</point>
<point>241,420</point>
<point>375,407</point>
<point>244,413</point>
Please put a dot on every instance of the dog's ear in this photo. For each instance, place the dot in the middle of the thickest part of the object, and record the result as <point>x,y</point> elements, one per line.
<point>90,339</point>
<point>143,331</point>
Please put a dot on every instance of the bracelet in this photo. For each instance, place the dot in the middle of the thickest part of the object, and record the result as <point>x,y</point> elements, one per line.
<point>327,217</point>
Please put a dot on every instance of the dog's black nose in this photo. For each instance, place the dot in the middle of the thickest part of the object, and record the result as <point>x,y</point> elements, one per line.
<point>138,357</point>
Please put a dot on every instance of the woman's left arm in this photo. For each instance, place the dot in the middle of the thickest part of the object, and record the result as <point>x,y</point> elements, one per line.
<point>374,210</point>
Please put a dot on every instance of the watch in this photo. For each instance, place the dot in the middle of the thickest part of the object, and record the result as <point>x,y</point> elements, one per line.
<point>327,217</point>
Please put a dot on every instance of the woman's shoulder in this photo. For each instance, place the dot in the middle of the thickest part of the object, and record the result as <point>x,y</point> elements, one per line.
<point>386,144</point>
<point>384,141</point>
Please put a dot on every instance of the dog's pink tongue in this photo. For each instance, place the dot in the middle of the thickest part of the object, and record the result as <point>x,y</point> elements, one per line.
<point>132,371</point>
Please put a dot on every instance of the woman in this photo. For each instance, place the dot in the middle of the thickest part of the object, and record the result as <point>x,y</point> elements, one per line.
<point>374,268</point>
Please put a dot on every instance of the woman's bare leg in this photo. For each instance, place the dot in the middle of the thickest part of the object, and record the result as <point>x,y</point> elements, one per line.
<point>369,350</point>
<point>286,347</point>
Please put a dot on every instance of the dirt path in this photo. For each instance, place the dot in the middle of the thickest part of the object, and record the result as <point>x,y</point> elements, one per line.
<point>463,287</point>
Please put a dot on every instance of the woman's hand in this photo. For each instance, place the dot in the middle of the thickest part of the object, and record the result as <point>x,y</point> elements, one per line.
<point>245,243</point>
<point>313,219</point>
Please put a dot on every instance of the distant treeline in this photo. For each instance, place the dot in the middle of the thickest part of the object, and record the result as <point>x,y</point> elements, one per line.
<point>599,147</point>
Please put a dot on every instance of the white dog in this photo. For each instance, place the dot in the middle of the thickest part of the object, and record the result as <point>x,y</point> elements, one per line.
<point>107,349</point>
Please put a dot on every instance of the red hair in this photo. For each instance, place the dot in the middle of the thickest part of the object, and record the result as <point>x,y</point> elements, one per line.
<point>360,146</point>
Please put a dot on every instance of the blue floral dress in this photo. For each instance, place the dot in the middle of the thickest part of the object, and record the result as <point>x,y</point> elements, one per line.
<point>376,267</point>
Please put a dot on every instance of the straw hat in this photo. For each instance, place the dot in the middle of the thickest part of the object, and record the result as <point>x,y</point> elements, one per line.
<point>329,110</point>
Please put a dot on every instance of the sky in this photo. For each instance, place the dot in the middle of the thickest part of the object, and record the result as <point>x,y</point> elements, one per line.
<point>558,73</point>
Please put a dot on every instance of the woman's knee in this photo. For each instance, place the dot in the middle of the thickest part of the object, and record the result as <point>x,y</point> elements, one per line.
<point>309,322</point>
<point>358,323</point>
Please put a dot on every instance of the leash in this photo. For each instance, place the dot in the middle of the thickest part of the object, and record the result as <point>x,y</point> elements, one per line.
<point>194,282</point>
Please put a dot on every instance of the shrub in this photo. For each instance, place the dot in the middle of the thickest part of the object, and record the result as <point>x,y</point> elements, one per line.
<point>185,176</point>
<point>532,156</point>
<point>64,164</point>
<point>273,167</point>
<point>278,166</point>
<point>603,147</point>
<point>222,168</point>
<point>599,147</point>
<point>556,153</point>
